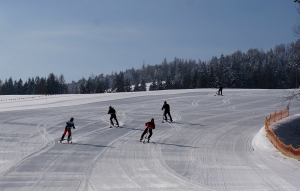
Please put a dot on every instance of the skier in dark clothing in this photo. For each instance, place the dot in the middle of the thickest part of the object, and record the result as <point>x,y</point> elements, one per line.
<point>68,127</point>
<point>167,111</point>
<point>112,113</point>
<point>220,89</point>
<point>149,126</point>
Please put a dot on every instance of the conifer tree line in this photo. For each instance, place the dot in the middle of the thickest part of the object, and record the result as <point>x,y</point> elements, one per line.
<point>274,69</point>
<point>38,85</point>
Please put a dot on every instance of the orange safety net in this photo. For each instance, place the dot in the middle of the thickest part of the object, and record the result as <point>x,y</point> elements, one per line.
<point>287,150</point>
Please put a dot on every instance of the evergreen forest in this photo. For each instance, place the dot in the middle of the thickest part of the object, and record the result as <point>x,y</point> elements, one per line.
<point>277,68</point>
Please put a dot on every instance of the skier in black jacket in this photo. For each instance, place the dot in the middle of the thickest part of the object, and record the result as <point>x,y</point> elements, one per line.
<point>167,111</point>
<point>112,113</point>
<point>220,89</point>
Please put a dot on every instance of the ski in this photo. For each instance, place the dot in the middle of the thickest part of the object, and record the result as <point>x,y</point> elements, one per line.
<point>69,142</point>
<point>144,142</point>
<point>168,121</point>
<point>72,143</point>
<point>144,138</point>
<point>113,125</point>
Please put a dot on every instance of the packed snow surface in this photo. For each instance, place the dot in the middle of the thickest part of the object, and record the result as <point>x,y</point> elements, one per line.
<point>214,143</point>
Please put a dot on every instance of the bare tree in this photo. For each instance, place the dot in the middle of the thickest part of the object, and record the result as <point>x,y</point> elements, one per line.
<point>289,96</point>
<point>296,28</point>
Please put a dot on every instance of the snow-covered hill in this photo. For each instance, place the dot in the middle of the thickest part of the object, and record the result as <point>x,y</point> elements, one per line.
<point>215,142</point>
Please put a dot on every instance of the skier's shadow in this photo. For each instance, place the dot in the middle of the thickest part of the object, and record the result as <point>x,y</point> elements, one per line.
<point>193,124</point>
<point>135,129</point>
<point>170,144</point>
<point>190,124</point>
<point>91,145</point>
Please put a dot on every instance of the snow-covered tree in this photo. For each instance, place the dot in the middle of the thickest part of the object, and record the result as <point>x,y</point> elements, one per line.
<point>296,28</point>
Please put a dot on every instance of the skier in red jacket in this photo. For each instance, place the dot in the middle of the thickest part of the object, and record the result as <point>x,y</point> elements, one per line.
<point>149,126</point>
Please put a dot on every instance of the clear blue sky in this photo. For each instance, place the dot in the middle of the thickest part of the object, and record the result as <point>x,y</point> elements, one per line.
<point>78,38</point>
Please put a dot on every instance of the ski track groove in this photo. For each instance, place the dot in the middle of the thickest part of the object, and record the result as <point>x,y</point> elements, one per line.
<point>83,185</point>
<point>236,111</point>
<point>21,155</point>
<point>89,169</point>
<point>46,146</point>
<point>227,132</point>
<point>82,135</point>
<point>224,186</point>
<point>270,161</point>
<point>153,150</point>
<point>159,155</point>
<point>193,176</point>
<point>48,143</point>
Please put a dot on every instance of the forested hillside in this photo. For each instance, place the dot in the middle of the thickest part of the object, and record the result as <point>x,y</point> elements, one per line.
<point>272,69</point>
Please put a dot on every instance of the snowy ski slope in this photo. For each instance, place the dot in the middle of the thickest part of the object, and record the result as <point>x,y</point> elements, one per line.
<point>215,142</point>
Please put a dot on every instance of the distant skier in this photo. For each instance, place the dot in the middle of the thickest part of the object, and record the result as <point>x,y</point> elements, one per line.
<point>112,113</point>
<point>149,126</point>
<point>166,107</point>
<point>220,89</point>
<point>68,127</point>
